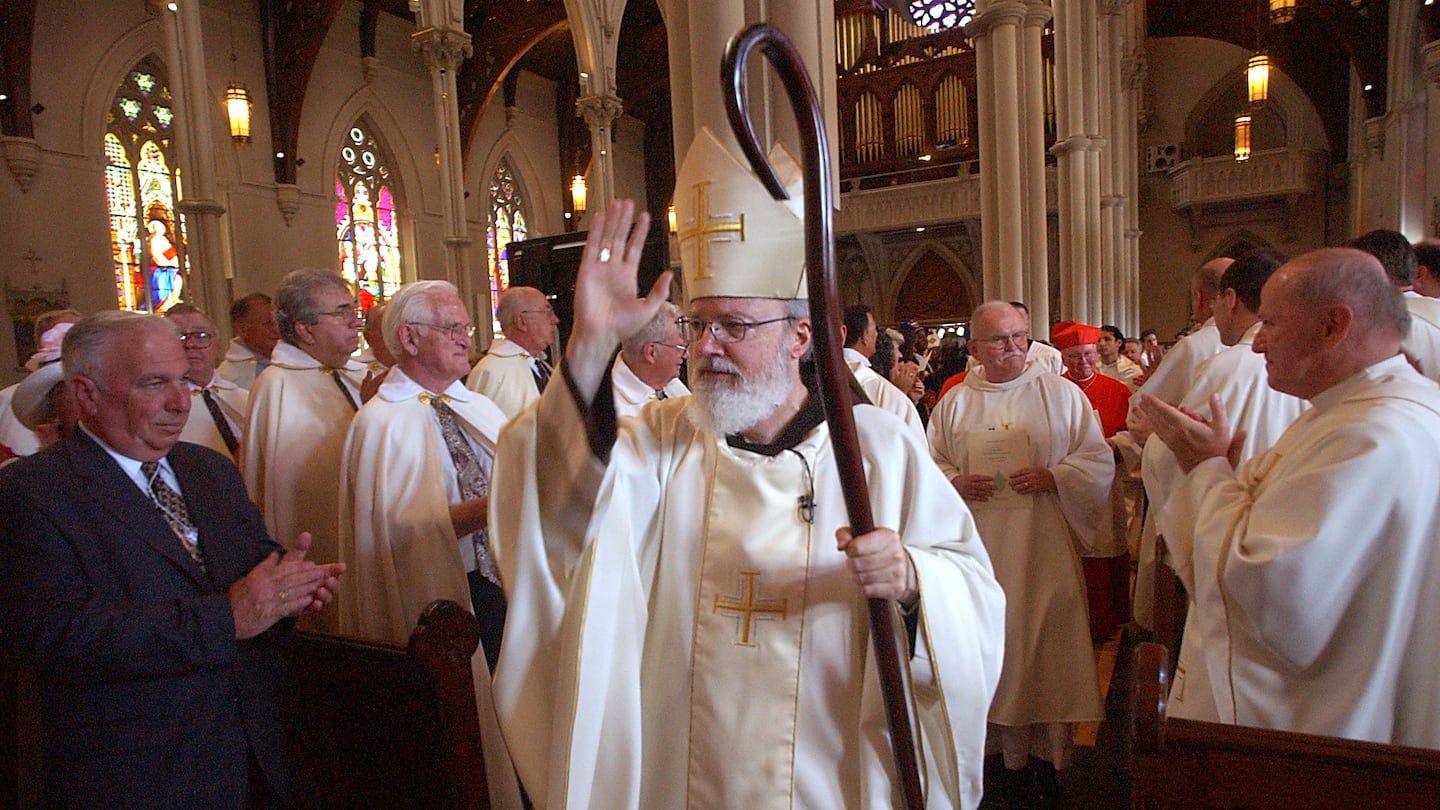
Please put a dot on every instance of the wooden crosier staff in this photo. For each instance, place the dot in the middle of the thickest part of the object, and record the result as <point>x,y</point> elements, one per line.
<point>829,360</point>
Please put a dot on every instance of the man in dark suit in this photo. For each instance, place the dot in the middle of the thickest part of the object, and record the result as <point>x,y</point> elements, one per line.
<point>139,584</point>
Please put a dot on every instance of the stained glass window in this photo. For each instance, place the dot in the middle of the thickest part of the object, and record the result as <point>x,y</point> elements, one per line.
<point>940,15</point>
<point>142,188</point>
<point>507,224</point>
<point>366,225</point>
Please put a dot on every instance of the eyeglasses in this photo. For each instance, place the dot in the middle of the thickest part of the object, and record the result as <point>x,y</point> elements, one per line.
<point>348,312</point>
<point>1001,341</point>
<point>679,347</point>
<point>546,311</point>
<point>454,331</point>
<point>199,340</point>
<point>730,330</point>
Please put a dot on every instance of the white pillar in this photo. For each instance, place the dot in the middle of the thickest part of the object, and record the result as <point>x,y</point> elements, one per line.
<point>441,39</point>
<point>195,149</point>
<point>1036,262</point>
<point>1004,200</point>
<point>600,112</point>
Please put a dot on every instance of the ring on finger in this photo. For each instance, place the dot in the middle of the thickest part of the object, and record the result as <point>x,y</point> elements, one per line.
<point>605,254</point>
<point>284,595</point>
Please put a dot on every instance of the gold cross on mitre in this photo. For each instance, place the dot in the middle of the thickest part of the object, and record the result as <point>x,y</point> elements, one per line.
<point>736,240</point>
<point>706,226</point>
<point>748,607</point>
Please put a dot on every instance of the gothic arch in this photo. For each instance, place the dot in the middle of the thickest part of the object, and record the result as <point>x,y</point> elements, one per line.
<point>541,201</point>
<point>1239,241</point>
<point>933,283</point>
<point>110,71</point>
<point>412,190</point>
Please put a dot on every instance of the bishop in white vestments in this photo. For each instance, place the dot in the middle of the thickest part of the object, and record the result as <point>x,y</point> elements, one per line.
<point>1315,569</point>
<point>688,622</point>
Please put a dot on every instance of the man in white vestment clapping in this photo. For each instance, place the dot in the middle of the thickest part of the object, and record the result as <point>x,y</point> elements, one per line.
<point>1316,572</point>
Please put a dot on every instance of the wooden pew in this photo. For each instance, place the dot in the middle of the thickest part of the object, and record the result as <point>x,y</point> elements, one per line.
<point>1189,765</point>
<point>376,725</point>
<point>1172,604</point>
<point>380,725</point>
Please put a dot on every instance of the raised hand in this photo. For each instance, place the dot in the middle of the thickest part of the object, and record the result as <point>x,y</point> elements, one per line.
<point>1190,437</point>
<point>607,309</point>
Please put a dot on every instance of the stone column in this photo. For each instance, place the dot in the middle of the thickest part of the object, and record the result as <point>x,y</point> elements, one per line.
<point>600,112</point>
<point>195,148</point>
<point>442,42</point>
<point>999,51</point>
<point>1036,232</point>
<point>1077,146</point>
<point>1431,55</point>
<point>701,29</point>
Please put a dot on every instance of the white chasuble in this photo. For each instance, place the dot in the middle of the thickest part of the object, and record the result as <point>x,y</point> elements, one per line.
<point>1035,540</point>
<point>748,629</point>
<point>293,446</point>
<point>636,582</point>
<point>1316,567</point>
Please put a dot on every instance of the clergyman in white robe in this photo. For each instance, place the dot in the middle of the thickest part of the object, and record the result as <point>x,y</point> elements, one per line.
<point>396,537</point>
<point>293,448</point>
<point>200,426</point>
<point>883,394</point>
<point>1315,569</point>
<point>506,376</point>
<point>1238,375</point>
<point>639,586</point>
<point>1035,542</point>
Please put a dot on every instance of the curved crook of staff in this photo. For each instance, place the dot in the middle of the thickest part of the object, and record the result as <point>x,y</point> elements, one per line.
<point>829,360</point>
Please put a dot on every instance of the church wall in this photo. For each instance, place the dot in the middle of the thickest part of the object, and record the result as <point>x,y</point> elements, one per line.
<point>528,133</point>
<point>61,222</point>
<point>1183,72</point>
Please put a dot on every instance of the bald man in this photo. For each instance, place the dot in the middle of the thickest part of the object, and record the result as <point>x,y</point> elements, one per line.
<point>1314,566</point>
<point>1170,380</point>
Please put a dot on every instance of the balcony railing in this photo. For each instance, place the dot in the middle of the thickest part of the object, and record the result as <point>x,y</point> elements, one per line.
<point>1272,174</point>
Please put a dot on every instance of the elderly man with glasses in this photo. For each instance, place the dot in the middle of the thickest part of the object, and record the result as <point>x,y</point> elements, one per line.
<point>220,408</point>
<point>648,366</point>
<point>513,373</point>
<point>415,487</point>
<point>300,409</point>
<point>1024,448</point>
<point>688,622</point>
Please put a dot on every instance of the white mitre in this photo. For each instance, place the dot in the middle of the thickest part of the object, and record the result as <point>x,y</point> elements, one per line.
<point>735,239</point>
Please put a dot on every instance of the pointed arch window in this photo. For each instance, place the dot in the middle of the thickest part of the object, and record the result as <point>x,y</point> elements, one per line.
<point>142,191</point>
<point>366,219</point>
<point>507,224</point>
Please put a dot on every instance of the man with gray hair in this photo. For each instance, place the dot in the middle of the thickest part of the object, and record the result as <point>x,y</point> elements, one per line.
<point>1170,380</point>
<point>138,583</point>
<point>1316,577</point>
<point>415,489</point>
<point>648,366</point>
<point>514,373</point>
<point>252,318</point>
<point>222,407</point>
<point>300,409</point>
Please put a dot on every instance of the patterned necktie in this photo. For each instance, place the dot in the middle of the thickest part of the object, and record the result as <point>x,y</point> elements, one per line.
<point>221,423</point>
<point>473,476</point>
<point>172,508</point>
<point>335,373</point>
<point>542,374</point>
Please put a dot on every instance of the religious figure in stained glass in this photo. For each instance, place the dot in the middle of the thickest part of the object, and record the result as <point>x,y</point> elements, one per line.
<point>366,225</point>
<point>507,224</point>
<point>147,235</point>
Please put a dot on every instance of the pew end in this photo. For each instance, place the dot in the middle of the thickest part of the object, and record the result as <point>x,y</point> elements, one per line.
<point>1190,765</point>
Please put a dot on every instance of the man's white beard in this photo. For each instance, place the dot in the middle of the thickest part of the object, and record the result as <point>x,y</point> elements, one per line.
<point>734,404</point>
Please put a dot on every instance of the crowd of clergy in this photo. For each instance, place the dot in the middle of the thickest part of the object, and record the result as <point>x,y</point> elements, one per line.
<point>1287,451</point>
